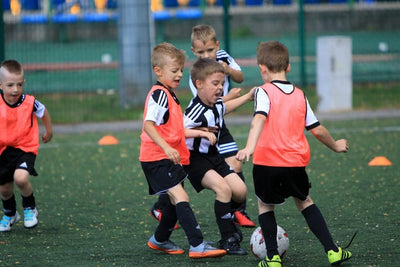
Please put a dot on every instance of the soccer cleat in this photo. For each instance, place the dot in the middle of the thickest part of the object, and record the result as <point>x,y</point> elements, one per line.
<point>336,258</point>
<point>30,217</point>
<point>8,221</point>
<point>205,250</point>
<point>166,246</point>
<point>157,213</point>
<point>241,218</point>
<point>274,262</point>
<point>232,246</point>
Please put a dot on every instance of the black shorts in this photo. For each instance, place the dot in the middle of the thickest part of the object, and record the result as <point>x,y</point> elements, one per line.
<point>202,163</point>
<point>162,175</point>
<point>12,159</point>
<point>274,184</point>
<point>227,146</point>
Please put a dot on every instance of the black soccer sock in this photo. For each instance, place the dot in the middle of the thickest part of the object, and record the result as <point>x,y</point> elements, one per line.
<point>189,223</point>
<point>224,219</point>
<point>167,223</point>
<point>162,202</point>
<point>9,206</point>
<point>28,202</point>
<point>318,226</point>
<point>269,228</point>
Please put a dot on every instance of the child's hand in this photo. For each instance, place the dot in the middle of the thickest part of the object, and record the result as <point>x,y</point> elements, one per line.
<point>243,155</point>
<point>173,155</point>
<point>46,137</point>
<point>251,93</point>
<point>211,137</point>
<point>341,145</point>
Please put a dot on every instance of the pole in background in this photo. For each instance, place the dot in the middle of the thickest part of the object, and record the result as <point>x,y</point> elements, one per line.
<point>135,37</point>
<point>302,45</point>
<point>2,40</point>
<point>227,26</point>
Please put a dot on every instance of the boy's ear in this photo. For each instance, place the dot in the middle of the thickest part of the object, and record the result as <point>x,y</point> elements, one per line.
<point>157,71</point>
<point>198,84</point>
<point>217,43</point>
<point>288,68</point>
<point>263,68</point>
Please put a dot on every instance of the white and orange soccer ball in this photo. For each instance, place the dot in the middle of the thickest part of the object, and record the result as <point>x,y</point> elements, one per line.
<point>257,243</point>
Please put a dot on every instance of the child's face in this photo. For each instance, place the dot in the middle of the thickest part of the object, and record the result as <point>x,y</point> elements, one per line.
<point>12,85</point>
<point>170,74</point>
<point>210,90</point>
<point>205,50</point>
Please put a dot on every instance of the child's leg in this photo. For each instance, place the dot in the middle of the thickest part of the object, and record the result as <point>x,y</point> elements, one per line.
<point>316,222</point>
<point>21,178</point>
<point>185,215</point>
<point>8,199</point>
<point>268,226</point>
<point>239,208</point>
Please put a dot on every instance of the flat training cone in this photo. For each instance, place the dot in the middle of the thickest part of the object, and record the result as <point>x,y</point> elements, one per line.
<point>108,140</point>
<point>380,161</point>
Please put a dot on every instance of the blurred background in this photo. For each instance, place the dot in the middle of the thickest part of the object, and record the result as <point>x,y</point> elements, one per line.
<point>70,49</point>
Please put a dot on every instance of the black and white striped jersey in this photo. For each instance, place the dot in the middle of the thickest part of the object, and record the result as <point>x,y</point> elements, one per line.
<point>197,114</point>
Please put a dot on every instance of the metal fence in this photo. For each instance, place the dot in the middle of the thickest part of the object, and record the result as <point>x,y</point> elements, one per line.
<point>70,48</point>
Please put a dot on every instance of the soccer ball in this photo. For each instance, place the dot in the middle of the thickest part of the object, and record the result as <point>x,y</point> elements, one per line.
<point>257,243</point>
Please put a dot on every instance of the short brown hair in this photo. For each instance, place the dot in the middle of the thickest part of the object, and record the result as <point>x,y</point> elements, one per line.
<point>274,55</point>
<point>203,33</point>
<point>12,66</point>
<point>163,50</point>
<point>203,68</point>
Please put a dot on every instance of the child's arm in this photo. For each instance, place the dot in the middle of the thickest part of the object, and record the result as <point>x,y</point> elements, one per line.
<point>46,137</point>
<point>233,104</point>
<point>257,124</point>
<point>323,135</point>
<point>236,75</point>
<point>150,129</point>
<point>202,132</point>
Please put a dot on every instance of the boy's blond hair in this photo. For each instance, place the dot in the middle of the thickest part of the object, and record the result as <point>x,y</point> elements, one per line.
<point>165,51</point>
<point>12,66</point>
<point>203,68</point>
<point>274,55</point>
<point>203,33</point>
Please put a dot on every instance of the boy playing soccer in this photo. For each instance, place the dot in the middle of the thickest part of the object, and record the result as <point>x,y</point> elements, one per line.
<point>163,151</point>
<point>19,144</point>
<point>207,168</point>
<point>205,45</point>
<point>281,152</point>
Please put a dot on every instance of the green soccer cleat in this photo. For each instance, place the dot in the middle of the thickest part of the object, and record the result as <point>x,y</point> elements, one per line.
<point>274,262</point>
<point>336,258</point>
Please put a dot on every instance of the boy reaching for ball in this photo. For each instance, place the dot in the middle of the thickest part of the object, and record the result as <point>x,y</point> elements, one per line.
<point>281,152</point>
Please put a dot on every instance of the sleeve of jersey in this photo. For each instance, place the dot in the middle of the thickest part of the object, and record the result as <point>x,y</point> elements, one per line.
<point>157,106</point>
<point>192,115</point>
<point>261,102</point>
<point>38,109</point>
<point>311,119</point>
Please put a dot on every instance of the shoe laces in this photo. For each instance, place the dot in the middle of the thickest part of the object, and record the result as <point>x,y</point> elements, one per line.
<point>5,220</point>
<point>28,214</point>
<point>351,240</point>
